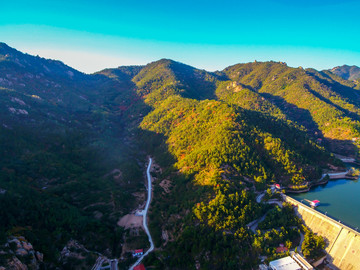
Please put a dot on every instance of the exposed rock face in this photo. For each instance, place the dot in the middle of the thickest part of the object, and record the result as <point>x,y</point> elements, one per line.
<point>235,86</point>
<point>73,251</point>
<point>19,254</point>
<point>39,256</point>
<point>27,246</point>
<point>16,264</point>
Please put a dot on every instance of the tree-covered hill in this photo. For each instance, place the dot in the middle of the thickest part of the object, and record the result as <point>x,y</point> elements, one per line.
<point>67,154</point>
<point>163,78</point>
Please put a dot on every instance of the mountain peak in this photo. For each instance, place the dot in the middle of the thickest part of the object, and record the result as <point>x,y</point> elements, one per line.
<point>163,62</point>
<point>4,45</point>
<point>347,72</point>
<point>6,49</point>
<point>35,64</point>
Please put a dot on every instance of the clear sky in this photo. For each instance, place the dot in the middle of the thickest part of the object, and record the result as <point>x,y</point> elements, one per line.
<point>91,35</point>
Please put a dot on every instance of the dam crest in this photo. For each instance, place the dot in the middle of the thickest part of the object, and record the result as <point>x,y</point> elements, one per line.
<point>342,242</point>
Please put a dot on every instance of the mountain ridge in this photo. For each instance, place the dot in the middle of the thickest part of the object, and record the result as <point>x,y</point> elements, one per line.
<point>79,143</point>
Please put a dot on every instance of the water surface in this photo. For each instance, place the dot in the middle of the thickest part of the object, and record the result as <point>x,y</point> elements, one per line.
<point>339,199</point>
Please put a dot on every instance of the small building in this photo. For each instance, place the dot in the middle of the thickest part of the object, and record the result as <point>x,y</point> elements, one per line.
<point>281,249</point>
<point>314,203</point>
<point>277,186</point>
<point>286,263</point>
<point>138,252</point>
<point>140,267</point>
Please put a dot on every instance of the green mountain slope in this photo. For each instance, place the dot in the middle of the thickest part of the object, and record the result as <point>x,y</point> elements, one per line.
<point>327,109</point>
<point>221,147</point>
<point>163,78</point>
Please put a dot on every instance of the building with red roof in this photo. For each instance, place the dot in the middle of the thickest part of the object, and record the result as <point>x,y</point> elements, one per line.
<point>281,248</point>
<point>140,267</point>
<point>315,203</point>
<point>138,252</point>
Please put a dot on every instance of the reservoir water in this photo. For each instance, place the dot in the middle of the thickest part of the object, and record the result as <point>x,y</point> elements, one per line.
<point>339,199</point>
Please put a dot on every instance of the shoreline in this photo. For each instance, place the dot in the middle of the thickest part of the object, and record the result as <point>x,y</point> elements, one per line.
<point>323,182</point>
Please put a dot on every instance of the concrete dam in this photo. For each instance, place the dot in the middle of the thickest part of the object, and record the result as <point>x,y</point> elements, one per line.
<point>342,242</point>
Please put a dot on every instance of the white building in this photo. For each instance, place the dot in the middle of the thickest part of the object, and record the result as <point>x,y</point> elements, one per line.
<point>286,263</point>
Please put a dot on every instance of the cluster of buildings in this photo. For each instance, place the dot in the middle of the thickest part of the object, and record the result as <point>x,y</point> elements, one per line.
<point>137,252</point>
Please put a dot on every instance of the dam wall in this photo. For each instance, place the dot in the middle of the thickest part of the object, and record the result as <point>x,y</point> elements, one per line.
<point>342,242</point>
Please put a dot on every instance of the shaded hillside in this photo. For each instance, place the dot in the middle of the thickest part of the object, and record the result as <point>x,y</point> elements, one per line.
<point>69,166</point>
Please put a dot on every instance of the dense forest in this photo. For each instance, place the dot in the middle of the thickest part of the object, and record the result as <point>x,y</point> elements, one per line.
<point>74,147</point>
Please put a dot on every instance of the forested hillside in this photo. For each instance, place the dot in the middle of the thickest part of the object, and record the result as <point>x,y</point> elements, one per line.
<point>327,109</point>
<point>68,165</point>
<point>73,148</point>
<point>221,147</point>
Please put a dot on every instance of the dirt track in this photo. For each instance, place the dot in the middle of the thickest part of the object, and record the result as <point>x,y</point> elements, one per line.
<point>131,221</point>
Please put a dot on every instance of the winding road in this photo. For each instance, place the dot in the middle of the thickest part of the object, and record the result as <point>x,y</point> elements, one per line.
<point>145,217</point>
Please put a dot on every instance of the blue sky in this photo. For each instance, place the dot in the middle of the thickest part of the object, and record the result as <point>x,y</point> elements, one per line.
<point>91,35</point>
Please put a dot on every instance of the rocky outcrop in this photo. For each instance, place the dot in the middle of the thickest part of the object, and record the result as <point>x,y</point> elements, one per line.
<point>75,253</point>
<point>18,254</point>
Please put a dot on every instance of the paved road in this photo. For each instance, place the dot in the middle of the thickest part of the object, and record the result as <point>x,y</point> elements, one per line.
<point>253,227</point>
<point>145,217</point>
<point>334,175</point>
<point>275,201</point>
<point>114,264</point>
<point>98,263</point>
<point>300,244</point>
<point>259,197</point>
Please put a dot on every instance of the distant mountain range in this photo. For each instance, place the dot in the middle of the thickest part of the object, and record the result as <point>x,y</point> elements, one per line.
<point>347,72</point>
<point>73,147</point>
